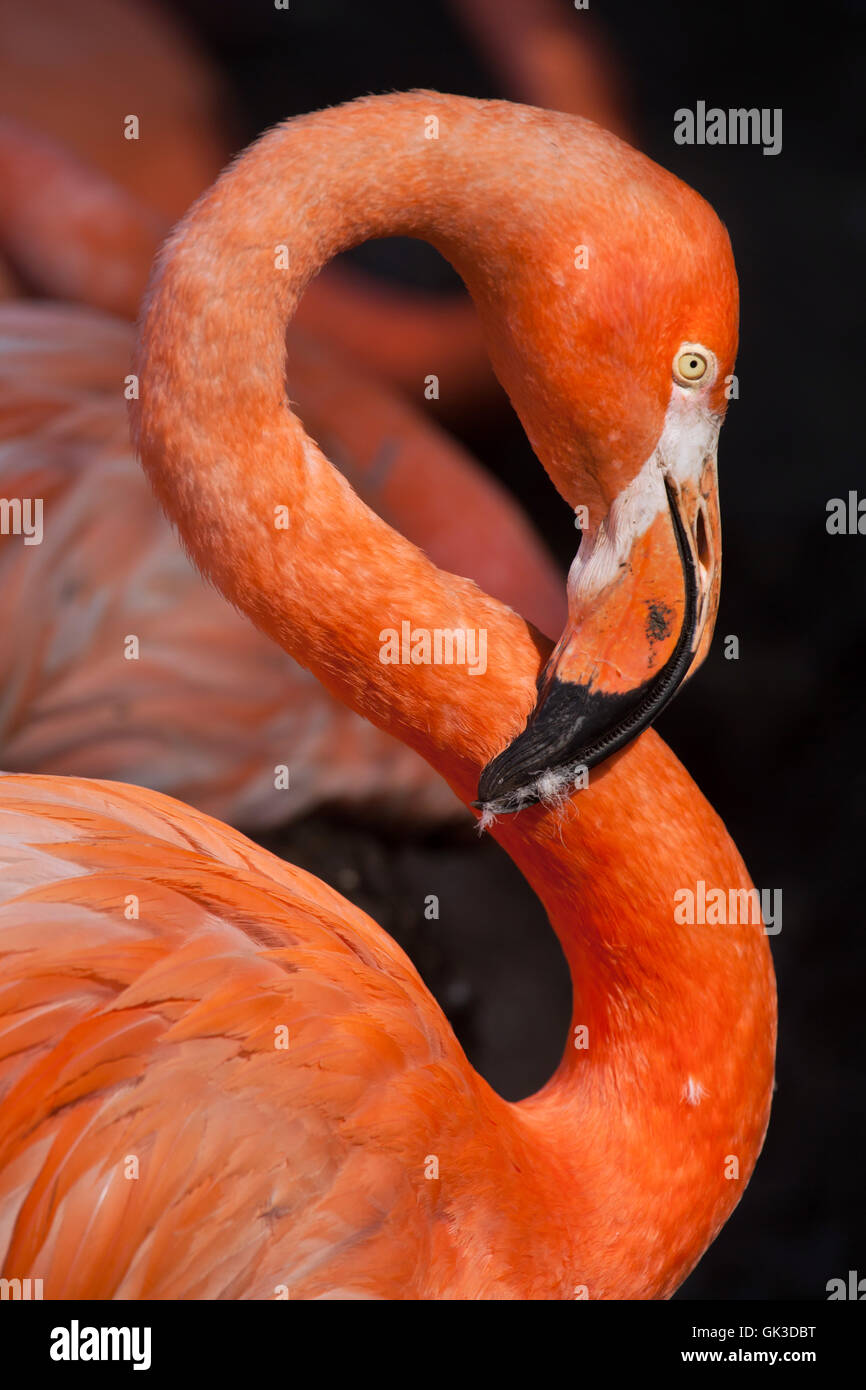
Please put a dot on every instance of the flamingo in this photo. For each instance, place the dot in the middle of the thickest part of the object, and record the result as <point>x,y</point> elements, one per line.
<point>547,56</point>
<point>221,1079</point>
<point>78,77</point>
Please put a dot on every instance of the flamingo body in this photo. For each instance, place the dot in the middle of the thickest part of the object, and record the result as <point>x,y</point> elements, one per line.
<point>158,1140</point>
<point>156,1038</point>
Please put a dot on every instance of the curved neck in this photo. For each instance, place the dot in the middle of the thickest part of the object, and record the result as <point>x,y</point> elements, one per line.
<point>324,576</point>
<point>285,538</point>
<point>656,1116</point>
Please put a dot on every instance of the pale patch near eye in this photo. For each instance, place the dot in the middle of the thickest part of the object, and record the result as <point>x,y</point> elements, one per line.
<point>689,436</point>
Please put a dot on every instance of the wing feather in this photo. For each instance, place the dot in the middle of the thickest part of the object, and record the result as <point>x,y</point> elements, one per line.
<point>155,1138</point>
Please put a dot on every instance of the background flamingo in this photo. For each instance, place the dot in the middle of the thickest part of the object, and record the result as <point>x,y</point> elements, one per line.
<point>74,79</point>
<point>108,567</point>
<point>310,1170</point>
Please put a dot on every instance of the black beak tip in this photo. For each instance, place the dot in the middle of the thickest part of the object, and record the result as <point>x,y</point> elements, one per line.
<point>504,787</point>
<point>542,762</point>
<point>574,728</point>
<point>571,730</point>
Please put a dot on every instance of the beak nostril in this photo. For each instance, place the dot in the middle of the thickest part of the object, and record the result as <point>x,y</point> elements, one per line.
<point>702,541</point>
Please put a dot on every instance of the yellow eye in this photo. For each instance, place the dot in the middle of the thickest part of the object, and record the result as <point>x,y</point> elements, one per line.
<point>692,365</point>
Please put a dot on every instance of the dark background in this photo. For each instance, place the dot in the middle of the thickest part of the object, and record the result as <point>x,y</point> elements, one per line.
<point>773,739</point>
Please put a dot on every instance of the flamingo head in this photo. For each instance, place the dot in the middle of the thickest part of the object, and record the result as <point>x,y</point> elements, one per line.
<point>621,373</point>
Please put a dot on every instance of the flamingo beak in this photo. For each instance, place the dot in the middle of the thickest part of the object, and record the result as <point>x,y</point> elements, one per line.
<point>643,597</point>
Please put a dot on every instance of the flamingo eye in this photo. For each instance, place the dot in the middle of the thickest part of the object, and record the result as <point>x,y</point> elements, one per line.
<point>692,364</point>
